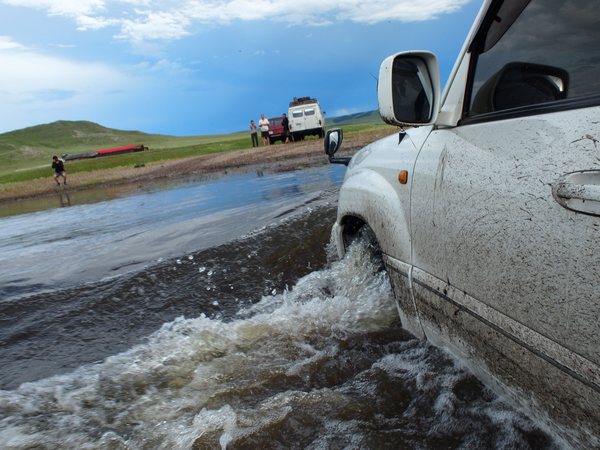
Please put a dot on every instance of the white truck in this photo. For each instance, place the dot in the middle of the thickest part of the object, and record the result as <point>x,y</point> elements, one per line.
<point>306,118</point>
<point>486,204</point>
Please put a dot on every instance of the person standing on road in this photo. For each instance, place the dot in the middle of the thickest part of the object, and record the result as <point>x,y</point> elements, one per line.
<point>254,133</point>
<point>286,128</point>
<point>264,129</point>
<point>59,170</point>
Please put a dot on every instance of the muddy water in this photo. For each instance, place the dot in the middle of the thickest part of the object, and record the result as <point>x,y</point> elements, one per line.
<point>263,341</point>
<point>93,239</point>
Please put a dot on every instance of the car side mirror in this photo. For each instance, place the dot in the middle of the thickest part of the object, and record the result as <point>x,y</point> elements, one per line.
<point>409,89</point>
<point>333,142</point>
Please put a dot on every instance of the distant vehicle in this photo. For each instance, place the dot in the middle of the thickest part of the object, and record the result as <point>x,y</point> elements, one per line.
<point>487,210</point>
<point>306,118</point>
<point>276,129</point>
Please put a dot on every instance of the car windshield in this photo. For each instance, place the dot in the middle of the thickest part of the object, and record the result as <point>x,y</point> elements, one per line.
<point>276,121</point>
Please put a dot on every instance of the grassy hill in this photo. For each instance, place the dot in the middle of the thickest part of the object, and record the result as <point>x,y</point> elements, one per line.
<point>34,146</point>
<point>26,154</point>
<point>66,135</point>
<point>362,118</point>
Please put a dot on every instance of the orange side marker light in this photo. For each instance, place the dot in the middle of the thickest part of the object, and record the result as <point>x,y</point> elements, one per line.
<point>403,177</point>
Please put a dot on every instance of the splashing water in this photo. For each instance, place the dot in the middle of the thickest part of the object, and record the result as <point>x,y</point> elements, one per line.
<point>324,364</point>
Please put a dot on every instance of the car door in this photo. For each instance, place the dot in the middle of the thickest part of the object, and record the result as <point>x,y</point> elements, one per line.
<point>505,204</point>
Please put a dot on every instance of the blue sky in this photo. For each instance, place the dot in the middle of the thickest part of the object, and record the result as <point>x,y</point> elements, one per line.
<point>192,67</point>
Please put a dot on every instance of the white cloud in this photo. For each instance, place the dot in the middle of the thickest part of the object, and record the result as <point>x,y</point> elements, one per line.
<point>155,25</point>
<point>25,71</point>
<point>31,83</point>
<point>402,10</point>
<point>7,43</point>
<point>89,22</point>
<point>163,67</point>
<point>71,8</point>
<point>139,20</point>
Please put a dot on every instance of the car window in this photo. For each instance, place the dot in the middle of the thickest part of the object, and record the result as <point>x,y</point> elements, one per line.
<point>276,122</point>
<point>549,53</point>
<point>297,114</point>
<point>309,112</point>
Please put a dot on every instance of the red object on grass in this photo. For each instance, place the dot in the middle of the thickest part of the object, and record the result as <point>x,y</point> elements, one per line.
<point>106,152</point>
<point>125,149</point>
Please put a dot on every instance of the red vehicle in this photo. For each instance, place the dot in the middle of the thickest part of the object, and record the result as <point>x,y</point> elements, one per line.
<point>276,130</point>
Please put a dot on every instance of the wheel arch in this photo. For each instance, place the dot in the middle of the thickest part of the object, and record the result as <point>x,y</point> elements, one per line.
<point>351,226</point>
<point>370,200</point>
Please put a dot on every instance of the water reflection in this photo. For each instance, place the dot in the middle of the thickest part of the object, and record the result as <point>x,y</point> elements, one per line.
<point>76,197</point>
<point>72,198</point>
<point>108,232</point>
<point>281,191</point>
<point>64,198</point>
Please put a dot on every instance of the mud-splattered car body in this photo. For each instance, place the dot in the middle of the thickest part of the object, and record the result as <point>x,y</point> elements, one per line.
<point>487,210</point>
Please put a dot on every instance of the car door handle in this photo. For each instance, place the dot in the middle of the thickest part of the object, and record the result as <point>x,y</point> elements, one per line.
<point>579,191</point>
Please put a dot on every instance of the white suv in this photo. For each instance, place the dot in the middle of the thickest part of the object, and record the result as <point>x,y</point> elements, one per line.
<point>487,207</point>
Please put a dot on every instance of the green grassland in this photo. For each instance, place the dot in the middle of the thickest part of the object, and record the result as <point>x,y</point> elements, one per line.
<point>26,154</point>
<point>30,148</point>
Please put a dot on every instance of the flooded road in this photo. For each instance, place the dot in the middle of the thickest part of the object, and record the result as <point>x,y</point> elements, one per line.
<point>60,247</point>
<point>259,339</point>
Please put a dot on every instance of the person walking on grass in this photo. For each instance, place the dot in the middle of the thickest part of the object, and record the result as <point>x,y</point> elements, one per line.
<point>59,170</point>
<point>264,129</point>
<point>254,133</point>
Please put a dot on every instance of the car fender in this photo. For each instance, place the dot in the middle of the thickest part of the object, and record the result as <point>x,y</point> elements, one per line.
<point>368,196</point>
<point>373,194</point>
